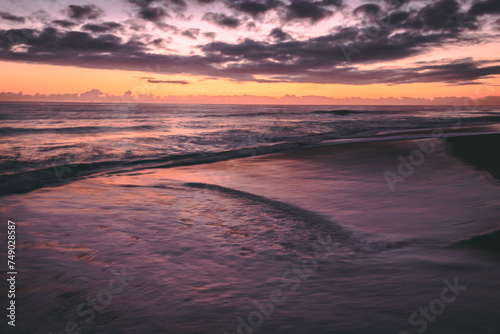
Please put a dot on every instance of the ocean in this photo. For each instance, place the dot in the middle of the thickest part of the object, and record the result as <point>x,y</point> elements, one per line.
<point>155,218</point>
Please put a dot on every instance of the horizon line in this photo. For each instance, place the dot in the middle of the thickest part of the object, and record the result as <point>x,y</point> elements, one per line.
<point>97,96</point>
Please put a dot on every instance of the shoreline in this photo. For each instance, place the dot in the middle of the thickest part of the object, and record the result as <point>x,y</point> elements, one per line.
<point>482,151</point>
<point>464,147</point>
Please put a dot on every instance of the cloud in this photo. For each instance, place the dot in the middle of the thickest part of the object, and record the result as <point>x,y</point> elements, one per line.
<point>64,23</point>
<point>158,41</point>
<point>222,20</point>
<point>147,12</point>
<point>157,81</point>
<point>369,9</point>
<point>152,13</point>
<point>340,56</point>
<point>335,3</point>
<point>103,27</point>
<point>458,72</point>
<point>397,17</point>
<point>485,7</point>
<point>254,7</point>
<point>317,60</point>
<point>178,6</point>
<point>210,34</point>
<point>12,18</point>
<point>92,95</point>
<point>442,15</point>
<point>160,9</point>
<point>304,9</point>
<point>279,35</point>
<point>51,44</point>
<point>191,33</point>
<point>106,51</point>
<point>84,12</point>
<point>320,60</point>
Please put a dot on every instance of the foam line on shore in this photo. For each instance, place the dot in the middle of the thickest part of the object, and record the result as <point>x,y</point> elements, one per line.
<point>27,181</point>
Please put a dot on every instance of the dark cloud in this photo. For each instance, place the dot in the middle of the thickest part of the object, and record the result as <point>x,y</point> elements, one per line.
<point>51,43</point>
<point>254,7</point>
<point>325,51</point>
<point>442,15</point>
<point>12,18</point>
<point>397,17</point>
<point>76,40</point>
<point>395,3</point>
<point>398,32</point>
<point>191,33</point>
<point>64,23</point>
<point>152,13</point>
<point>148,12</point>
<point>279,35</point>
<point>177,5</point>
<point>105,51</point>
<point>158,41</point>
<point>457,72</point>
<point>222,20</point>
<point>318,60</point>
<point>326,58</point>
<point>14,37</point>
<point>310,10</point>
<point>156,10</point>
<point>367,9</point>
<point>157,81</point>
<point>485,7</point>
<point>209,34</point>
<point>143,3</point>
<point>335,3</point>
<point>103,27</point>
<point>84,12</point>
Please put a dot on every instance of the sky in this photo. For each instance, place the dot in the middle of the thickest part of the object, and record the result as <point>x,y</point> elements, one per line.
<point>251,51</point>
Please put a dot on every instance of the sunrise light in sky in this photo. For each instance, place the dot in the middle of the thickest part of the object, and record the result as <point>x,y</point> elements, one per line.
<point>250,166</point>
<point>266,48</point>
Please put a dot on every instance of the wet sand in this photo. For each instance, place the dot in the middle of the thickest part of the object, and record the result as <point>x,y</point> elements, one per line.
<point>203,256</point>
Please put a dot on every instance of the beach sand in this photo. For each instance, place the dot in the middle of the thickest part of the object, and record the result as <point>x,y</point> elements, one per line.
<point>205,257</point>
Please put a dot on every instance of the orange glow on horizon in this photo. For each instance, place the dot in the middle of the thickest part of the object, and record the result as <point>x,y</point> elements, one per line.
<point>52,79</point>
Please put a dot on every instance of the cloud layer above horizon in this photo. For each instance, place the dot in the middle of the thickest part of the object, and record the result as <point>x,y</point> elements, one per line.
<point>304,41</point>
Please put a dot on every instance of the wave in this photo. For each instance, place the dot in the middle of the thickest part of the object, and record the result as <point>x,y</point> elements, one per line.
<point>482,119</point>
<point>309,217</point>
<point>338,112</point>
<point>7,131</point>
<point>489,241</point>
<point>255,114</point>
<point>311,221</point>
<point>59,147</point>
<point>341,112</point>
<point>26,181</point>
